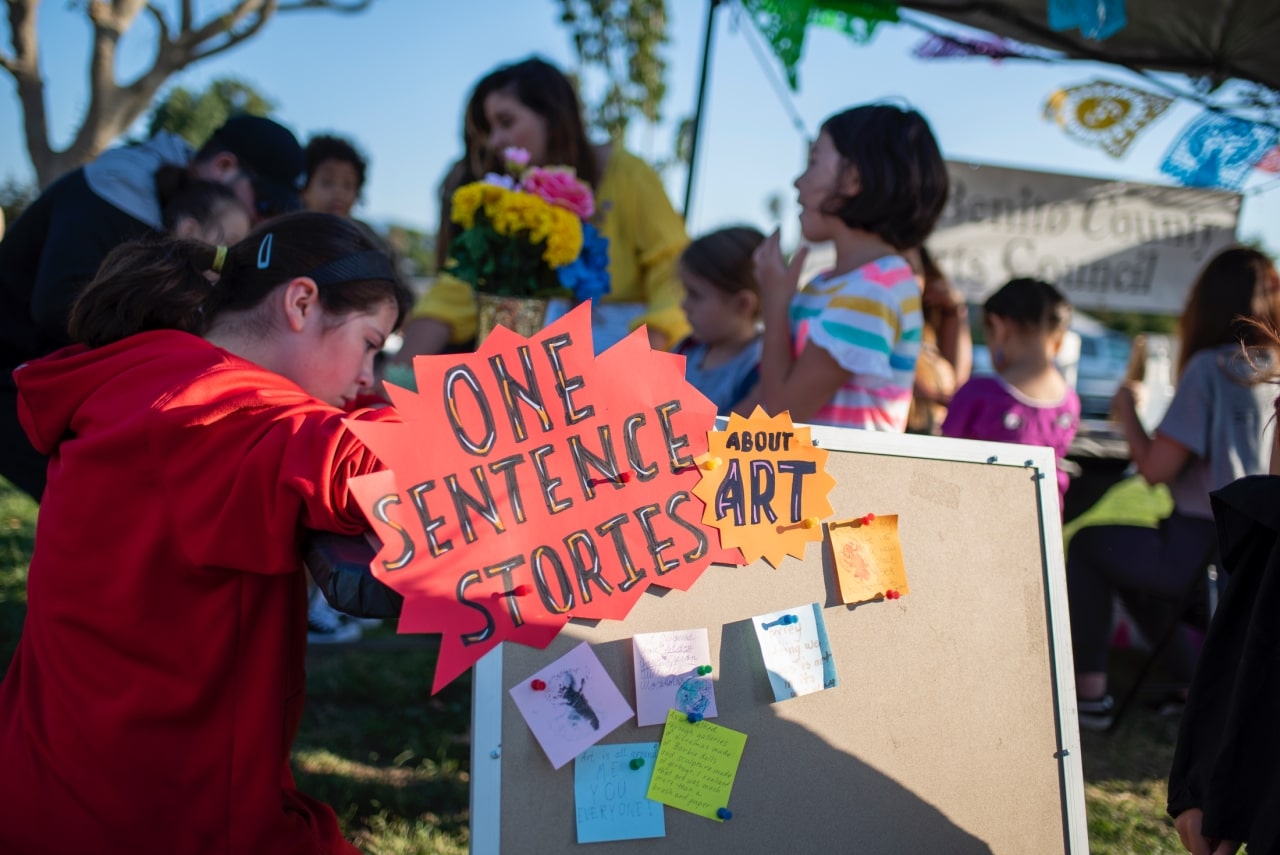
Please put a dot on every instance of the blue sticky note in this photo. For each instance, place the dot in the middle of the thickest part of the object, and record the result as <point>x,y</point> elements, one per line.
<point>609,795</point>
<point>796,651</point>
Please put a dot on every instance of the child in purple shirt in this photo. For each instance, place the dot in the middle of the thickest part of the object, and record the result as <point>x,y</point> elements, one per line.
<point>1028,401</point>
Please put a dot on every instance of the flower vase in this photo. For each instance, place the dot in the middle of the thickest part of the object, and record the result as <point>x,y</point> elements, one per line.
<point>525,316</point>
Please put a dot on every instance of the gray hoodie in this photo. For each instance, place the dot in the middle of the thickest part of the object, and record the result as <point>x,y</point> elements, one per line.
<point>125,177</point>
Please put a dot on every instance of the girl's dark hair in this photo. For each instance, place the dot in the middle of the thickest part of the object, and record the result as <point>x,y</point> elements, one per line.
<point>183,195</point>
<point>326,147</point>
<point>1032,304</point>
<point>902,175</point>
<point>459,173</point>
<point>723,258</point>
<point>166,284</point>
<point>544,89</point>
<point>1229,303</point>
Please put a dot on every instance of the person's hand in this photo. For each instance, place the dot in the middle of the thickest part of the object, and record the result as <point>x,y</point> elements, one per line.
<point>778,279</point>
<point>1188,825</point>
<point>1128,399</point>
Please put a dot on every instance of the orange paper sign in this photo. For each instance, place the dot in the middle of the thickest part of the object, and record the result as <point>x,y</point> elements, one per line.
<point>766,486</point>
<point>868,558</point>
<point>532,482</point>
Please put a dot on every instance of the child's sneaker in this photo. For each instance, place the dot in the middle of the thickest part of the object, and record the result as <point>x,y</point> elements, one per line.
<point>1096,713</point>
<point>327,625</point>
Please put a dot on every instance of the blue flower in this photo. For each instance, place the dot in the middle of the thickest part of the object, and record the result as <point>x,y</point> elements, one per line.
<point>588,276</point>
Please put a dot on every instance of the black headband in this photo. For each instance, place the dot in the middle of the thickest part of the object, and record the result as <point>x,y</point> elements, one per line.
<point>370,264</point>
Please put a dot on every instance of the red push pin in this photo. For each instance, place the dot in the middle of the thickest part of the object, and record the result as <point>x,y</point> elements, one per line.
<point>538,685</point>
<point>868,519</point>
<point>624,477</point>
<point>891,594</point>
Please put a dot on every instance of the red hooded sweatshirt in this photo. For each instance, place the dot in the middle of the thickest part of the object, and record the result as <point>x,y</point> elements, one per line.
<point>158,685</point>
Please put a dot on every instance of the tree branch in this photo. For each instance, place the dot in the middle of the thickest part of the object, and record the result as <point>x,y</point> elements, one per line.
<point>161,23</point>
<point>257,19</point>
<point>348,7</point>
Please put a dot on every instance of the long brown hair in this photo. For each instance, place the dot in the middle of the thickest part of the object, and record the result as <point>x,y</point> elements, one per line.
<point>1230,303</point>
<point>167,284</point>
<point>544,89</point>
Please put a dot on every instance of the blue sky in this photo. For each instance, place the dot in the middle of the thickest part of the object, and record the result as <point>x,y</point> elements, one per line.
<point>395,78</point>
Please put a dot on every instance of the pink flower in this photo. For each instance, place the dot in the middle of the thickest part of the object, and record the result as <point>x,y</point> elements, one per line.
<point>560,186</point>
<point>516,158</point>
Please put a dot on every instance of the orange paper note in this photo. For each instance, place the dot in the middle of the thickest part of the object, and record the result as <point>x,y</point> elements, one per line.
<point>532,482</point>
<point>765,486</point>
<point>868,558</point>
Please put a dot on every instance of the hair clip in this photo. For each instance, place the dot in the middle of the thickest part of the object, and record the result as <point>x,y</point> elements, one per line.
<point>264,251</point>
<point>219,258</point>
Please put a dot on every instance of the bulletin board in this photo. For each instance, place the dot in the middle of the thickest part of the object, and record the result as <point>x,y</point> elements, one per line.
<point>952,727</point>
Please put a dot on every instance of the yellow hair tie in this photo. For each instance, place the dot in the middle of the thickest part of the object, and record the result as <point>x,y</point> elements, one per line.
<point>218,258</point>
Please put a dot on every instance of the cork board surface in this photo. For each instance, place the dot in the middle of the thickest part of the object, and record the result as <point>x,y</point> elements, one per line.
<point>943,733</point>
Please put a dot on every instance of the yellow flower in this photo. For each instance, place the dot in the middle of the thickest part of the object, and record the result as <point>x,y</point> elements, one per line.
<point>468,198</point>
<point>564,241</point>
<point>516,212</point>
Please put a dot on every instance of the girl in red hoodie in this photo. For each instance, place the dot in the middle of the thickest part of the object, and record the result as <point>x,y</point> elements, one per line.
<point>194,433</point>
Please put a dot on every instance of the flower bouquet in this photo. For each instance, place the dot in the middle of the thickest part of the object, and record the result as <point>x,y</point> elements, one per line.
<point>526,238</point>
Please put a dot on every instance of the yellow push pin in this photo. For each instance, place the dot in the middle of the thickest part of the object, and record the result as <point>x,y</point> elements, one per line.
<point>711,463</point>
<point>812,522</point>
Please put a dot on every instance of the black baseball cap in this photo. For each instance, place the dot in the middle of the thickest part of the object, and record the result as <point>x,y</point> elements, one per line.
<point>270,156</point>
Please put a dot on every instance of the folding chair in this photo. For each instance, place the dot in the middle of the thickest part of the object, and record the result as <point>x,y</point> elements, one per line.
<point>1195,607</point>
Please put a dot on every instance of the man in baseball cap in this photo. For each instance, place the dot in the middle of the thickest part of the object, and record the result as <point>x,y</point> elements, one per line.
<point>55,247</point>
<point>265,153</point>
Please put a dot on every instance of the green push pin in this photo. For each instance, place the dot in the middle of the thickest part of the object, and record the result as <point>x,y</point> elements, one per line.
<point>637,762</point>
<point>704,670</point>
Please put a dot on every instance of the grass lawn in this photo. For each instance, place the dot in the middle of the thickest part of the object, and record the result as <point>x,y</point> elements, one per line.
<point>394,761</point>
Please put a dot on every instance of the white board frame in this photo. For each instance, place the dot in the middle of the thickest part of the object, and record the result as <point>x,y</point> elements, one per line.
<point>487,697</point>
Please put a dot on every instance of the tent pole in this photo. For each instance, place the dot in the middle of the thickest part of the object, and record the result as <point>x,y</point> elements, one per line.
<point>698,109</point>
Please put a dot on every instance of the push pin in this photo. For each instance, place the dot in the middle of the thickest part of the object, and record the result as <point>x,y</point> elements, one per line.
<point>724,813</point>
<point>811,522</point>
<point>624,477</point>
<point>710,463</point>
<point>517,591</point>
<point>891,594</point>
<point>785,620</point>
<point>695,717</point>
<point>704,670</point>
<point>637,763</point>
<point>538,685</point>
<point>868,519</point>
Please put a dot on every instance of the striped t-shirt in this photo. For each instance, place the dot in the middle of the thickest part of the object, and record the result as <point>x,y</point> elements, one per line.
<point>869,321</point>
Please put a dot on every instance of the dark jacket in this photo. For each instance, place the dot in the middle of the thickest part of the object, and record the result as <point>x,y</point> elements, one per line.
<point>1227,760</point>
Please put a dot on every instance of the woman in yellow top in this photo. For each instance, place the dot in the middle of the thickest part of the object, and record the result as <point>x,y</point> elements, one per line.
<point>532,105</point>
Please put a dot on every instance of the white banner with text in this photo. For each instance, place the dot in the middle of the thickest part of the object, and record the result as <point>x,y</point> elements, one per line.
<point>1114,245</point>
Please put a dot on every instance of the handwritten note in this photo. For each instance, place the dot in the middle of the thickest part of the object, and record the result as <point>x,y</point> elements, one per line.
<point>609,793</point>
<point>796,651</point>
<point>570,704</point>
<point>868,559</point>
<point>696,765</point>
<point>667,675</point>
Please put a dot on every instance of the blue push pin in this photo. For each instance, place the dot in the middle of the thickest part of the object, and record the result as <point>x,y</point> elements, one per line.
<point>785,620</point>
<point>724,813</point>
<point>695,717</point>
